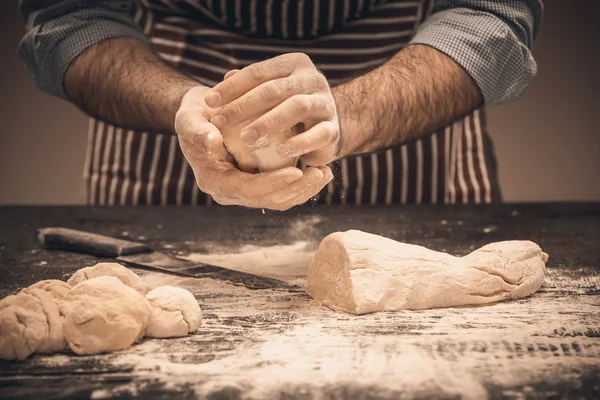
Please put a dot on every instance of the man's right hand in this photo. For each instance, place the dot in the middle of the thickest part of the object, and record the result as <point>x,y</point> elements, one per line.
<point>216,175</point>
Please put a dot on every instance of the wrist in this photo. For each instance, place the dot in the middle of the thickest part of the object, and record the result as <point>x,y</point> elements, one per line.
<point>354,125</point>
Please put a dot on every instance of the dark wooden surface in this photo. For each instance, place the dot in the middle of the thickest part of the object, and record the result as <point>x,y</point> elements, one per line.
<point>274,343</point>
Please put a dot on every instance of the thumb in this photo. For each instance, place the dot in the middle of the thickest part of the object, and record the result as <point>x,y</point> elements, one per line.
<point>196,133</point>
<point>202,136</point>
<point>213,144</point>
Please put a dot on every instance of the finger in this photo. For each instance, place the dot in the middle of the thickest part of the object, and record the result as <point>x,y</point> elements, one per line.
<point>253,75</point>
<point>245,186</point>
<point>285,200</point>
<point>265,97</point>
<point>231,73</point>
<point>310,178</point>
<point>316,138</point>
<point>292,111</point>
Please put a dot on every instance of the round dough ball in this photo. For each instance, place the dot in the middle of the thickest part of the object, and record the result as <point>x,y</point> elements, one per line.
<point>57,289</point>
<point>55,341</point>
<point>175,312</point>
<point>125,275</point>
<point>102,314</point>
<point>261,158</point>
<point>23,326</point>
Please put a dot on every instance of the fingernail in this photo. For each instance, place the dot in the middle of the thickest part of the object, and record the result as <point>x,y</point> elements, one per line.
<point>219,120</point>
<point>212,98</point>
<point>208,141</point>
<point>249,136</point>
<point>286,149</point>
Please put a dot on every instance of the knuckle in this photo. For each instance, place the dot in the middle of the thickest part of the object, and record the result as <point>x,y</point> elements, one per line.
<point>263,123</point>
<point>256,72</point>
<point>320,82</point>
<point>229,87</point>
<point>237,109</point>
<point>271,89</point>
<point>331,130</point>
<point>298,84</point>
<point>203,185</point>
<point>299,104</point>
<point>253,100</point>
<point>302,59</point>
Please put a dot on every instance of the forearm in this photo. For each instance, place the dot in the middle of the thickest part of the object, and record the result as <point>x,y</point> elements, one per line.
<point>418,91</point>
<point>123,82</point>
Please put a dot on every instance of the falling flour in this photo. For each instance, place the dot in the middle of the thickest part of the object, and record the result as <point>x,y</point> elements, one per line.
<point>279,261</point>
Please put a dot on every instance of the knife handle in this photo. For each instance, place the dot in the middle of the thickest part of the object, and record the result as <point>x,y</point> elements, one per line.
<point>88,243</point>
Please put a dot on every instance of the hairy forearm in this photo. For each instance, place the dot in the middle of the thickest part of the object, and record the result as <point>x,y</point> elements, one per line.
<point>418,91</point>
<point>123,82</point>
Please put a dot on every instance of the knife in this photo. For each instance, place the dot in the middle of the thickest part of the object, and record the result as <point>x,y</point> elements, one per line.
<point>133,254</point>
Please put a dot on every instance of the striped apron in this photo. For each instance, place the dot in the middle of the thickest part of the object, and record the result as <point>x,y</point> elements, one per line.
<point>344,38</point>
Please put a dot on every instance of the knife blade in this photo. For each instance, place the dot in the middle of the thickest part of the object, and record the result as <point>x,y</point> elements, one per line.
<point>134,254</point>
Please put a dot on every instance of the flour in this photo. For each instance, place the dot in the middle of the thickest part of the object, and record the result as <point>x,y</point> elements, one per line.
<point>286,344</point>
<point>314,355</point>
<point>279,261</point>
<point>271,343</point>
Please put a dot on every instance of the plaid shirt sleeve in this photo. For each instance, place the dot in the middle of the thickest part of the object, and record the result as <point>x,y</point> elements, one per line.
<point>59,31</point>
<point>490,39</point>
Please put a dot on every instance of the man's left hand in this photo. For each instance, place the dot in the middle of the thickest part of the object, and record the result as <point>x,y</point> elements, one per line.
<point>285,92</point>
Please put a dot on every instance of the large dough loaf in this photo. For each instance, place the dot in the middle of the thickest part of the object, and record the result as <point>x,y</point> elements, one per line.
<point>358,272</point>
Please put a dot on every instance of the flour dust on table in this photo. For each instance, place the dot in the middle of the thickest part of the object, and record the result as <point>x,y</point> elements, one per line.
<point>359,273</point>
<point>107,307</point>
<point>101,309</point>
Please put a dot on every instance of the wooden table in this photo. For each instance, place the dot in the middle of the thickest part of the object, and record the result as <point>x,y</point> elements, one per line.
<point>273,343</point>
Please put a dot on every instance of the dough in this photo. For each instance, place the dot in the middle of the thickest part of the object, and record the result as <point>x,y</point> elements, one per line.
<point>55,340</point>
<point>57,289</point>
<point>102,314</point>
<point>263,159</point>
<point>126,276</point>
<point>29,322</point>
<point>359,273</point>
<point>175,312</point>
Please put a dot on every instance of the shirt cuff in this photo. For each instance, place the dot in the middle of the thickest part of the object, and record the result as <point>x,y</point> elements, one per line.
<point>485,47</point>
<point>49,49</point>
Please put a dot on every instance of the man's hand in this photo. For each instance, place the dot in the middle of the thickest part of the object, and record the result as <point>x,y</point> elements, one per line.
<point>285,92</point>
<point>202,145</point>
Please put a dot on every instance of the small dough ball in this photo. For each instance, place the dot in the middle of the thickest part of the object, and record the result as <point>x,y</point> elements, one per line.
<point>175,312</point>
<point>23,326</point>
<point>263,158</point>
<point>102,314</point>
<point>56,337</point>
<point>124,274</point>
<point>57,289</point>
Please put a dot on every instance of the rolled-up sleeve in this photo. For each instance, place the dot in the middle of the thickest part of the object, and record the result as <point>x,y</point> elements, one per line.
<point>59,31</point>
<point>490,39</point>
